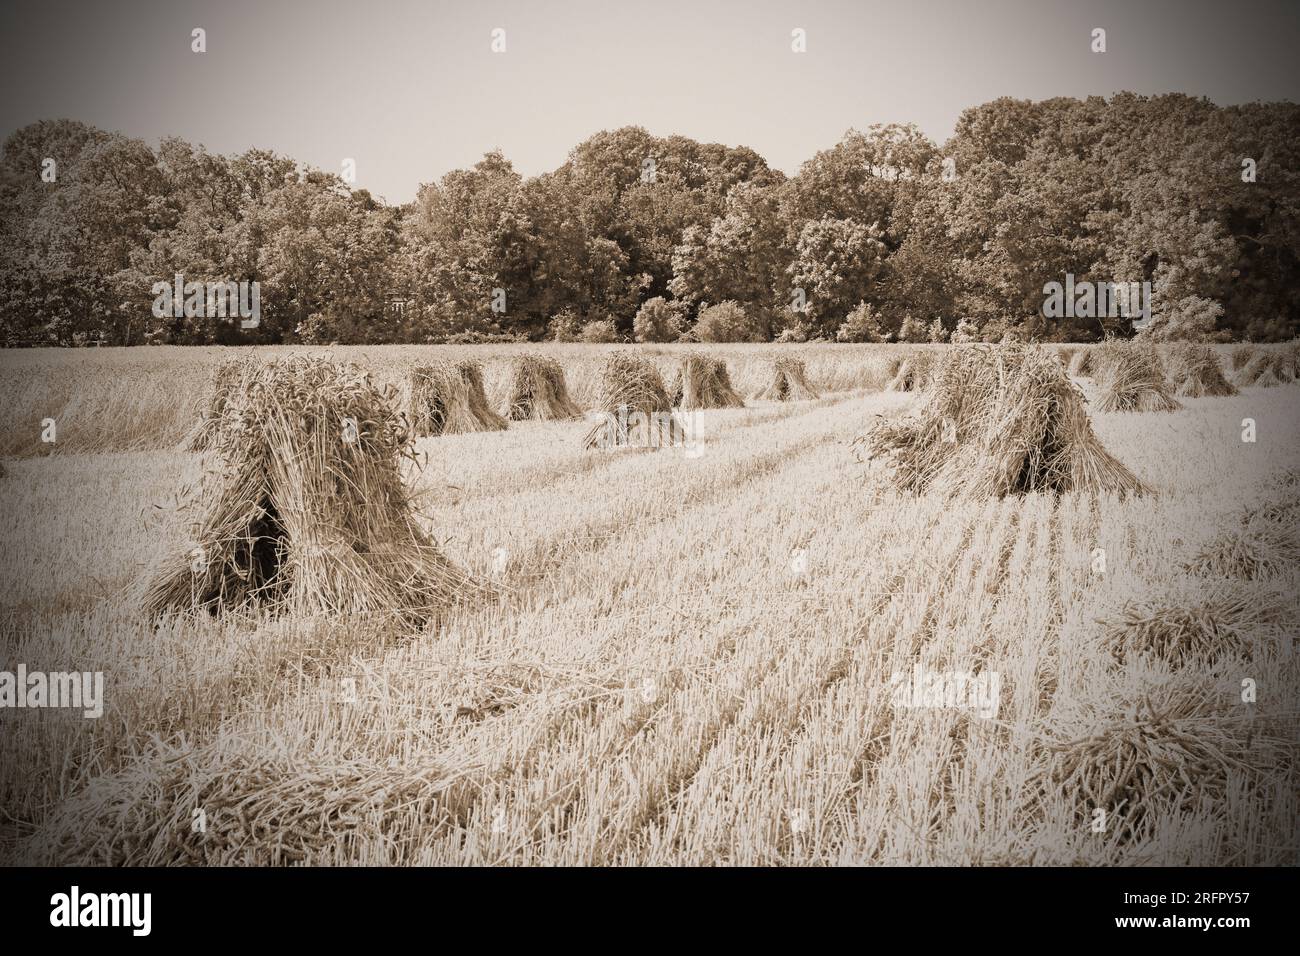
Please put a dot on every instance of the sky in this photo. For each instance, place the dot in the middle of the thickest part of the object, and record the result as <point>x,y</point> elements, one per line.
<point>411,90</point>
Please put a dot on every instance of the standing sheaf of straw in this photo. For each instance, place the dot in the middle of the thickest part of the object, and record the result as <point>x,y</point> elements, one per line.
<point>996,422</point>
<point>702,381</point>
<point>1195,372</point>
<point>1266,367</point>
<point>1132,380</point>
<point>226,380</point>
<point>447,398</point>
<point>539,391</point>
<point>789,382</point>
<point>913,373</point>
<point>1083,363</point>
<point>306,511</point>
<point>635,409</point>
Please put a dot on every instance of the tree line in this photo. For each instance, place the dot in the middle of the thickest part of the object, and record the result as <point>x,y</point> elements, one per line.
<point>885,236</point>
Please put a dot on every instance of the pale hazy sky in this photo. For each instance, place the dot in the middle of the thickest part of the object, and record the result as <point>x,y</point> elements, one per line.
<point>412,89</point>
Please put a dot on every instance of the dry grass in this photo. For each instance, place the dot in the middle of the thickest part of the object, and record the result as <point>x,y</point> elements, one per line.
<point>1179,748</point>
<point>655,682</point>
<point>259,804</point>
<point>1256,549</point>
<point>1084,363</point>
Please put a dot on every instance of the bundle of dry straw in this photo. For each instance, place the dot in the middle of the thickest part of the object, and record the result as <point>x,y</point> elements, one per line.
<point>635,409</point>
<point>1132,380</point>
<point>308,512</point>
<point>1195,372</point>
<point>273,804</point>
<point>448,399</point>
<point>703,382</point>
<point>225,381</point>
<point>1083,363</point>
<point>998,421</point>
<point>1259,548</point>
<point>913,373</point>
<point>789,381</point>
<point>1268,367</point>
<point>1241,355</point>
<point>539,392</point>
<point>1180,746</point>
<point>1197,622</point>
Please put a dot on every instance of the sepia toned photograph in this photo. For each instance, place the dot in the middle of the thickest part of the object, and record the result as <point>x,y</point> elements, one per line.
<point>729,433</point>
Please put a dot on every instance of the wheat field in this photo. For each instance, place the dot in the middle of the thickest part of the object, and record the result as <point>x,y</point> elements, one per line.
<point>685,659</point>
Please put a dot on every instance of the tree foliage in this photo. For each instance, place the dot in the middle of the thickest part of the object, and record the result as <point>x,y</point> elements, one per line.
<point>885,234</point>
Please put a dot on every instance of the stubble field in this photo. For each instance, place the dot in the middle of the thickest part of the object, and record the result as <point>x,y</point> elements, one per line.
<point>688,658</point>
